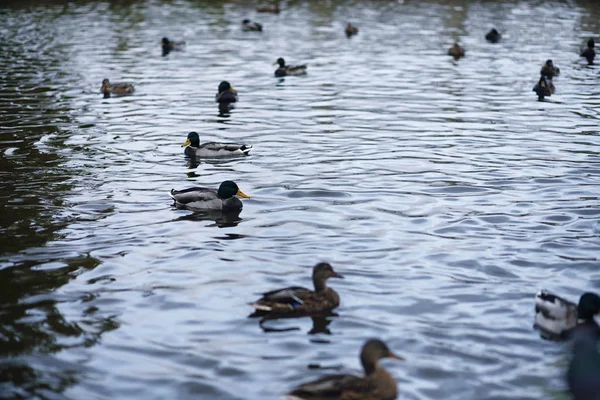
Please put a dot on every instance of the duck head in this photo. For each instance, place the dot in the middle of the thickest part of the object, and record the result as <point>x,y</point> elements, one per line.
<point>229,189</point>
<point>591,43</point>
<point>223,86</point>
<point>373,351</point>
<point>322,272</point>
<point>280,61</point>
<point>193,139</point>
<point>589,305</point>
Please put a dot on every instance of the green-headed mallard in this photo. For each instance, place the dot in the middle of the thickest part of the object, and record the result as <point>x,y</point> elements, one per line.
<point>170,45</point>
<point>456,51</point>
<point>270,9</point>
<point>555,316</point>
<point>249,26</point>
<point>544,88</point>
<point>549,70</point>
<point>120,88</point>
<point>493,36</point>
<point>351,30</point>
<point>377,384</point>
<point>299,301</point>
<point>288,70</point>
<point>200,198</point>
<point>589,52</point>
<point>212,149</point>
<point>226,94</point>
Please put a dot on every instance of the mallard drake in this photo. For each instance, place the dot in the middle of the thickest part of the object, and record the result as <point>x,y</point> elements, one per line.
<point>212,149</point>
<point>589,53</point>
<point>170,45</point>
<point>583,374</point>
<point>456,51</point>
<point>544,88</point>
<point>549,70</point>
<point>200,198</point>
<point>555,316</point>
<point>377,384</point>
<point>351,30</point>
<point>493,36</point>
<point>270,9</point>
<point>299,301</point>
<point>288,70</point>
<point>226,94</point>
<point>248,26</point>
<point>120,88</point>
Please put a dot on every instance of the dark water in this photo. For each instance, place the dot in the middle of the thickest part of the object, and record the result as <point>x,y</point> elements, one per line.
<point>443,190</point>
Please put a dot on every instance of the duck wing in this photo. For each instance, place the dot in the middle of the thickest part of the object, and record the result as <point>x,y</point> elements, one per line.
<point>214,149</point>
<point>296,69</point>
<point>553,314</point>
<point>193,195</point>
<point>328,387</point>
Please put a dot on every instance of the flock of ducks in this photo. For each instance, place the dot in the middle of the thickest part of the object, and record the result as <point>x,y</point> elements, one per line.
<point>555,317</point>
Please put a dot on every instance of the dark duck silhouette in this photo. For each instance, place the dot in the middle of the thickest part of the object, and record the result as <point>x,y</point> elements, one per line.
<point>249,26</point>
<point>226,94</point>
<point>549,70</point>
<point>456,51</point>
<point>351,30</point>
<point>544,88</point>
<point>589,53</point>
<point>288,70</point>
<point>493,36</point>
<point>170,45</point>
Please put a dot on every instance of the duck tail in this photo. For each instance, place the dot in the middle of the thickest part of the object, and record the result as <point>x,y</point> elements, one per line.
<point>245,149</point>
<point>172,194</point>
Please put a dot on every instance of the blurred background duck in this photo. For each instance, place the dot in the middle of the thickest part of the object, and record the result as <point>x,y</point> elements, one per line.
<point>493,36</point>
<point>351,30</point>
<point>119,88</point>
<point>200,198</point>
<point>299,301</point>
<point>589,53</point>
<point>288,70</point>
<point>544,88</point>
<point>170,45</point>
<point>456,51</point>
<point>274,9</point>
<point>225,93</point>
<point>212,149</point>
<point>248,26</point>
<point>555,316</point>
<point>549,70</point>
<point>377,384</point>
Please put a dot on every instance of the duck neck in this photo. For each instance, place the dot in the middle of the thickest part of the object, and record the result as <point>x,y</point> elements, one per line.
<point>369,365</point>
<point>320,284</point>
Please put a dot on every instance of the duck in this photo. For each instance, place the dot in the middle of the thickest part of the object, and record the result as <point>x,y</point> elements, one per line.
<point>456,51</point>
<point>170,45</point>
<point>212,149</point>
<point>377,384</point>
<point>549,70</point>
<point>201,198</point>
<point>589,53</point>
<point>351,30</point>
<point>556,316</point>
<point>299,301</point>
<point>583,373</point>
<point>493,36</point>
<point>270,9</point>
<point>288,70</point>
<point>226,94</point>
<point>544,88</point>
<point>248,26</point>
<point>120,88</point>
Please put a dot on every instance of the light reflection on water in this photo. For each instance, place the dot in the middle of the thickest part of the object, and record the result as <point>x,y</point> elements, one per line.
<point>443,191</point>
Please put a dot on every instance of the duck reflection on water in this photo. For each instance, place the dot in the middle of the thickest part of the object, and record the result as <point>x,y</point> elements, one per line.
<point>320,324</point>
<point>222,219</point>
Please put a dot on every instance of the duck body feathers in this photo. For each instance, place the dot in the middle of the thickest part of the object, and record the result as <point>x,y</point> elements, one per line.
<point>456,51</point>
<point>295,301</point>
<point>554,316</point>
<point>200,198</point>
<point>544,88</point>
<point>249,26</point>
<point>213,149</point>
<point>119,88</point>
<point>589,54</point>
<point>290,70</point>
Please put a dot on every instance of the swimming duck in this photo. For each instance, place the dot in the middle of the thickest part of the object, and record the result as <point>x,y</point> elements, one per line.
<point>200,198</point>
<point>299,301</point>
<point>549,70</point>
<point>583,374</point>
<point>248,26</point>
<point>456,51</point>
<point>288,70</point>
<point>268,9</point>
<point>589,53</point>
<point>544,88</point>
<point>555,316</point>
<point>170,45</point>
<point>226,94</point>
<point>120,88</point>
<point>493,36</point>
<point>351,30</point>
<point>377,384</point>
<point>212,149</point>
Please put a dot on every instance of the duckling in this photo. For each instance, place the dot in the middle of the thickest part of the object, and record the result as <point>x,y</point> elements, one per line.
<point>555,316</point>
<point>456,51</point>
<point>589,53</point>
<point>288,70</point>
<point>212,149</point>
<point>493,36</point>
<point>299,301</point>
<point>170,45</point>
<point>226,94</point>
<point>200,198</point>
<point>544,88</point>
<point>377,384</point>
<point>351,30</point>
<point>268,9</point>
<point>120,88</point>
<point>248,26</point>
<point>549,70</point>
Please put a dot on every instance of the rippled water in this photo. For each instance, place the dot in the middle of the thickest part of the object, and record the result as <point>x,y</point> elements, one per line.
<point>443,191</point>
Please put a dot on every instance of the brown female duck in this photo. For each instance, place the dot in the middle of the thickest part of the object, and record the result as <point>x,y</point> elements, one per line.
<point>351,30</point>
<point>120,88</point>
<point>549,70</point>
<point>456,51</point>
<point>299,301</point>
<point>377,384</point>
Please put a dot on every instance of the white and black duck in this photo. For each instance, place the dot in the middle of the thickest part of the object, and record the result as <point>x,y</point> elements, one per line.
<point>213,149</point>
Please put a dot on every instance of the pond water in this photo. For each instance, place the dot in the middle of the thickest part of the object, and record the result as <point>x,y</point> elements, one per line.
<point>443,190</point>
